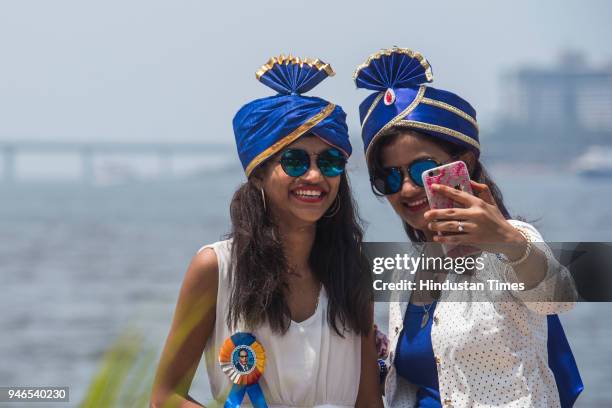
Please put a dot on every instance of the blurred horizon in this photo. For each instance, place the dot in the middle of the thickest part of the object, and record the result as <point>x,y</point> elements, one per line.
<point>149,71</point>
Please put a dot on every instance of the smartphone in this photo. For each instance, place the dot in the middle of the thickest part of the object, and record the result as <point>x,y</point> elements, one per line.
<point>457,176</point>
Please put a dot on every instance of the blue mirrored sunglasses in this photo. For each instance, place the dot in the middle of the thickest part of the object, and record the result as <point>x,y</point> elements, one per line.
<point>390,180</point>
<point>296,162</point>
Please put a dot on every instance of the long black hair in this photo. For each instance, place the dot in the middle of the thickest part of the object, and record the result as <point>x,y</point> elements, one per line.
<point>259,275</point>
<point>478,173</point>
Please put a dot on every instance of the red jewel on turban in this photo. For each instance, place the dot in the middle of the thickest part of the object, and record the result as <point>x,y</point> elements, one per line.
<point>389,97</point>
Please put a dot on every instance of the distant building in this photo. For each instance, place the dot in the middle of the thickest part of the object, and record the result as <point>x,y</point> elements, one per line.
<point>570,97</point>
<point>551,115</point>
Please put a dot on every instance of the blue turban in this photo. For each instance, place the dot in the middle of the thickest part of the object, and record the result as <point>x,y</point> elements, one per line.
<point>265,126</point>
<point>402,100</point>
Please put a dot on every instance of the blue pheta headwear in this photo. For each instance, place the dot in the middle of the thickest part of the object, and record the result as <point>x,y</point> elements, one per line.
<point>265,126</point>
<point>398,75</point>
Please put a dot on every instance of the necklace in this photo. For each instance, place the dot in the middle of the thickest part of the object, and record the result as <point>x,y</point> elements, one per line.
<point>435,295</point>
<point>426,315</point>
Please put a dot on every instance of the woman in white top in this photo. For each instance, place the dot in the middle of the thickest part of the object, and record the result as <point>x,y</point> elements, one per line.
<point>291,273</point>
<point>452,348</point>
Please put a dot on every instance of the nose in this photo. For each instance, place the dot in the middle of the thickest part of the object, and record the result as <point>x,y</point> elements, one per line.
<point>313,174</point>
<point>409,189</point>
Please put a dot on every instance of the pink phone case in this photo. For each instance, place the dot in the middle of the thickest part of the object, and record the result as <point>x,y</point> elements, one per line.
<point>454,175</point>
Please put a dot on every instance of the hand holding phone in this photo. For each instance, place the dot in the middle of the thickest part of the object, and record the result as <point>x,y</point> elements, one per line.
<point>454,175</point>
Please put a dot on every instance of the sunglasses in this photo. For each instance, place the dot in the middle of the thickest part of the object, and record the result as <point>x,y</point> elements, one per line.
<point>296,162</point>
<point>390,180</point>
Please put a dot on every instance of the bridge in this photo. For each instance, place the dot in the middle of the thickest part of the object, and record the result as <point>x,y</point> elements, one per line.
<point>89,150</point>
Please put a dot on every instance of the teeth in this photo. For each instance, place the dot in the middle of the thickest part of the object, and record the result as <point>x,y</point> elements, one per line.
<point>308,193</point>
<point>416,203</point>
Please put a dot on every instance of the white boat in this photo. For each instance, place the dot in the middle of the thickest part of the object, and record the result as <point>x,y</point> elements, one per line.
<point>595,162</point>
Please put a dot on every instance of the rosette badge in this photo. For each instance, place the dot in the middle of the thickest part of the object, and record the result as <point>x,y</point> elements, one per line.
<point>243,360</point>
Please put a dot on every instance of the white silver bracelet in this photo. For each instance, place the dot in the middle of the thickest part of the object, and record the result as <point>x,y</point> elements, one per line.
<point>525,254</point>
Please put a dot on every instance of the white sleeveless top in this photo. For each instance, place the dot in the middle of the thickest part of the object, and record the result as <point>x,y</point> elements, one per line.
<point>308,366</point>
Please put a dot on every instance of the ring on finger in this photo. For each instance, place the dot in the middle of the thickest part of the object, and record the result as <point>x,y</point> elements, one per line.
<point>460,227</point>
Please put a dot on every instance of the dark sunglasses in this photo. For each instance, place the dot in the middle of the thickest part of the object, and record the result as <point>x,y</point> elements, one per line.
<point>390,180</point>
<point>296,162</point>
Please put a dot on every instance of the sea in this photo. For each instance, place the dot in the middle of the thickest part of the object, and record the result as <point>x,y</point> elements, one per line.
<point>82,262</point>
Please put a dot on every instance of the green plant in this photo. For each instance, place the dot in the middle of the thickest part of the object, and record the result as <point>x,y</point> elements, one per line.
<point>125,375</point>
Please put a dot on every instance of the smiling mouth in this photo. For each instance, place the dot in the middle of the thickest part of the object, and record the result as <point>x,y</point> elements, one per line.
<point>416,205</point>
<point>309,195</point>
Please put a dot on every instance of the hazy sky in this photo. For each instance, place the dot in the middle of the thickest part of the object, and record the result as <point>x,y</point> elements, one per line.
<point>179,70</point>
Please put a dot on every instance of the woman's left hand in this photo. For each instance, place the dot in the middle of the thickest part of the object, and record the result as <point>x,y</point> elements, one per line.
<point>482,223</point>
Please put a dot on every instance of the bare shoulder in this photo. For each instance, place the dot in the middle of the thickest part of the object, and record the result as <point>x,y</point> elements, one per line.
<point>192,325</point>
<point>203,272</point>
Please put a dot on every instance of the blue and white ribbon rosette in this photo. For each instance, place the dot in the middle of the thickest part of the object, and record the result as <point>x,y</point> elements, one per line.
<point>243,359</point>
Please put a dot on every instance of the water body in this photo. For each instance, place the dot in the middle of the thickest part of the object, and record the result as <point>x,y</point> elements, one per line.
<point>79,264</point>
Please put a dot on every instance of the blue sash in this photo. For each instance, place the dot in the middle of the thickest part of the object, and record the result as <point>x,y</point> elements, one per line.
<point>562,364</point>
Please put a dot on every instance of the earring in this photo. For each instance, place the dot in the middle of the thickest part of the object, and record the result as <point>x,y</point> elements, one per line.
<point>263,199</point>
<point>335,207</point>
